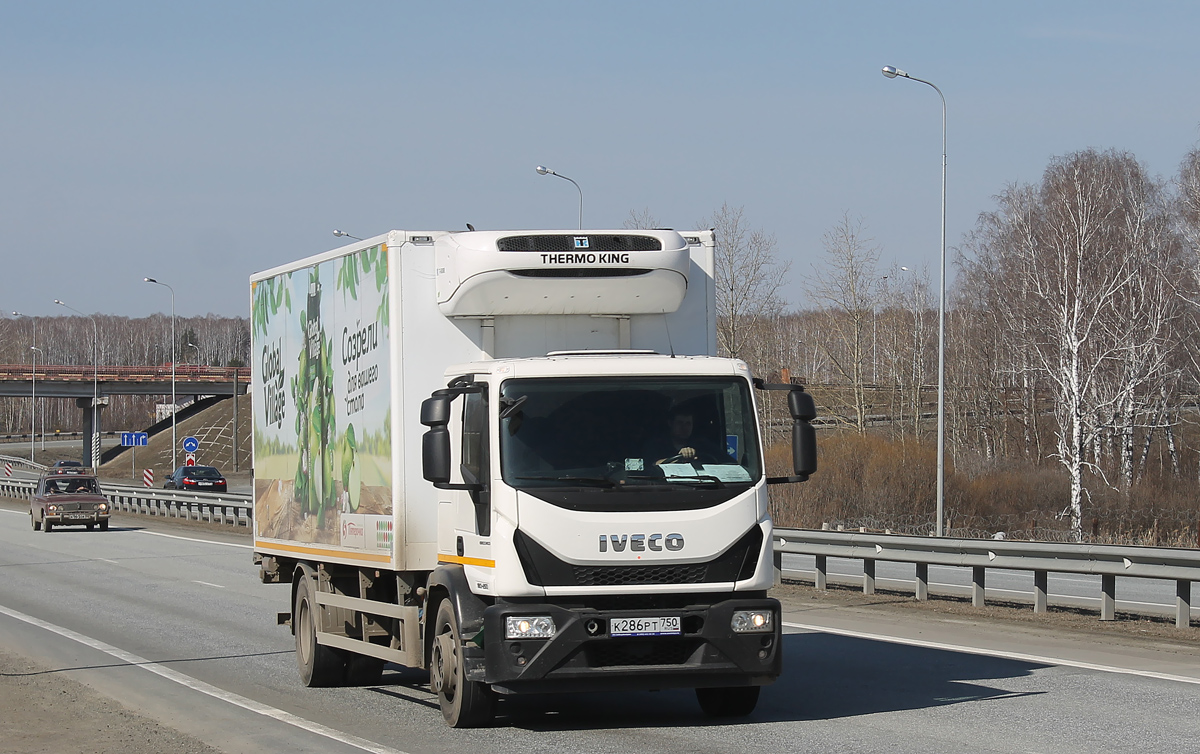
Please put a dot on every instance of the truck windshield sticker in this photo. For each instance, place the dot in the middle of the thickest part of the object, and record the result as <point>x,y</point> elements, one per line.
<point>322,436</point>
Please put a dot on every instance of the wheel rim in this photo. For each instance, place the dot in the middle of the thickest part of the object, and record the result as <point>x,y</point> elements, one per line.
<point>304,635</point>
<point>445,664</point>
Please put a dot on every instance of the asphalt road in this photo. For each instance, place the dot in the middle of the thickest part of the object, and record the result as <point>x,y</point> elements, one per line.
<point>172,622</point>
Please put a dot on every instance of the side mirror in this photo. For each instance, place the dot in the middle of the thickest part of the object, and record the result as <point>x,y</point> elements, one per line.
<point>435,443</point>
<point>803,409</point>
<point>804,438</point>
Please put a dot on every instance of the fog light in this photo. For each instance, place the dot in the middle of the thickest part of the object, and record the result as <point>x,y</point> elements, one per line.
<point>529,627</point>
<point>752,621</point>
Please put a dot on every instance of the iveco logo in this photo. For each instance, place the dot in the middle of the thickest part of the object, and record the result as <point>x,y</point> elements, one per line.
<point>641,542</point>
<point>581,242</point>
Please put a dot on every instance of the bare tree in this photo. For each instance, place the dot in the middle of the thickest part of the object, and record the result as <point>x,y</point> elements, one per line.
<point>1078,275</point>
<point>749,276</point>
<point>641,220</point>
<point>848,290</point>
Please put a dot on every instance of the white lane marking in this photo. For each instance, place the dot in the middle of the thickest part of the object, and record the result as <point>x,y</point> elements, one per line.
<point>1022,656</point>
<point>204,688</point>
<point>194,539</point>
<point>205,583</point>
<point>19,513</point>
<point>106,560</point>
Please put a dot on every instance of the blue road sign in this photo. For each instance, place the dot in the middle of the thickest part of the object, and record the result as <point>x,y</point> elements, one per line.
<point>190,444</point>
<point>134,439</point>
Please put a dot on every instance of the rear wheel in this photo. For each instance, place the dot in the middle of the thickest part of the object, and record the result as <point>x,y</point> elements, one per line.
<point>319,665</point>
<point>465,704</point>
<point>732,701</point>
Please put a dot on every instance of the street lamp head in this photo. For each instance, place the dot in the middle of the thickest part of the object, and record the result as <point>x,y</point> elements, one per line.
<point>344,234</point>
<point>892,72</point>
<point>543,170</point>
<point>149,280</point>
<point>59,302</point>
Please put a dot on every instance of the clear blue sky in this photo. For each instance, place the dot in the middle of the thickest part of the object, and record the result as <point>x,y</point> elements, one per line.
<point>200,142</point>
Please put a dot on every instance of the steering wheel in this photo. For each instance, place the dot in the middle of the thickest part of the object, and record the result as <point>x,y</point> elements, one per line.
<point>701,456</point>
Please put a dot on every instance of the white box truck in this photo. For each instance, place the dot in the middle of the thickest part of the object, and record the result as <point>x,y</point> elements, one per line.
<point>513,459</point>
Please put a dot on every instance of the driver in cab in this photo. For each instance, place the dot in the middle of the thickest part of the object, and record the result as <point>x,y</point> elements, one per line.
<point>677,444</point>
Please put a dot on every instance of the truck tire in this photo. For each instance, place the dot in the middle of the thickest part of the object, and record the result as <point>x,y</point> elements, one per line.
<point>319,665</point>
<point>465,704</point>
<point>37,525</point>
<point>731,701</point>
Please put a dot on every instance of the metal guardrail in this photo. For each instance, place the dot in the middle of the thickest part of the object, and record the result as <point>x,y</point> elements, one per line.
<point>1042,558</point>
<point>215,507</point>
<point>20,462</point>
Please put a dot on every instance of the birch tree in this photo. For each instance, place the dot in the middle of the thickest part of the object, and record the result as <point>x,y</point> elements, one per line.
<point>749,277</point>
<point>848,289</point>
<point>1078,274</point>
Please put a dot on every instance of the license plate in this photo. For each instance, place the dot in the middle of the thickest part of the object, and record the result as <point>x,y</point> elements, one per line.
<point>77,516</point>
<point>203,484</point>
<point>662,626</point>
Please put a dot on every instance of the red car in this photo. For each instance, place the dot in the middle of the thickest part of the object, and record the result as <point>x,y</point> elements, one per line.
<point>68,499</point>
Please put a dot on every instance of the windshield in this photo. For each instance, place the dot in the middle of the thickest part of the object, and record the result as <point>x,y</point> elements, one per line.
<point>202,472</point>
<point>628,432</point>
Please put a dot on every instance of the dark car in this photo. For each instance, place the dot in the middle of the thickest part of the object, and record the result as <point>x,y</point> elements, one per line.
<point>69,467</point>
<point>196,479</point>
<point>68,497</point>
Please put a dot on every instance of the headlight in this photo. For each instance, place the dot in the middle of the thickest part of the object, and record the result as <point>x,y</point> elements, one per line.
<point>52,508</point>
<point>752,621</point>
<point>529,627</point>
<point>102,507</point>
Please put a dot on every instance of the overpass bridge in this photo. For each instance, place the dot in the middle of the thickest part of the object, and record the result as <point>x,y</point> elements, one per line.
<point>96,383</point>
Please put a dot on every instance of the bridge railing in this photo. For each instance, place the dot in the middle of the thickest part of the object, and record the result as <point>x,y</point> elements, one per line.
<point>1040,558</point>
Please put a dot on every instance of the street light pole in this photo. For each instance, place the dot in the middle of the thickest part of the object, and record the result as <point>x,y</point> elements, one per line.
<point>892,72</point>
<point>543,170</point>
<point>174,404</point>
<point>95,384</point>
<point>36,351</point>
<point>33,389</point>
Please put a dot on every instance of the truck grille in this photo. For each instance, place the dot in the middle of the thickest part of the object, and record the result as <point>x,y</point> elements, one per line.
<point>543,568</point>
<point>688,573</point>
<point>595,242</point>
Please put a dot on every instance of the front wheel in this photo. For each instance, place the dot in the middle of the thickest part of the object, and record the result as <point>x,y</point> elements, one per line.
<point>46,525</point>
<point>732,701</point>
<point>465,704</point>
<point>37,525</point>
<point>104,525</point>
<point>319,665</point>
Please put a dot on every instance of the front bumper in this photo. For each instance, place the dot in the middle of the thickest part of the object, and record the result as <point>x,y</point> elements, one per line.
<point>582,656</point>
<point>76,518</point>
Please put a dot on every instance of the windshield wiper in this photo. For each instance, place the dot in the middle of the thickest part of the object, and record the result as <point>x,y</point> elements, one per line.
<point>598,481</point>
<point>699,479</point>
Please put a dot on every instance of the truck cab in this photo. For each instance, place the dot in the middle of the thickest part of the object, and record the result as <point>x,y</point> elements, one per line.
<point>607,513</point>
